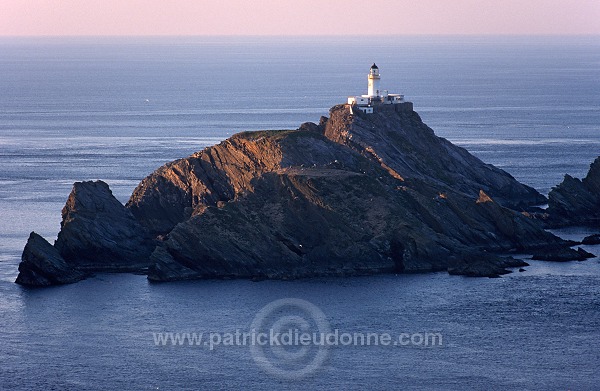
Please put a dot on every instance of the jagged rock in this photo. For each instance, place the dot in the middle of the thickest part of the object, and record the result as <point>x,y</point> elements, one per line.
<point>165,268</point>
<point>294,225</point>
<point>302,205</point>
<point>98,233</point>
<point>483,265</point>
<point>310,127</point>
<point>592,239</point>
<point>408,147</point>
<point>576,202</point>
<point>42,265</point>
<point>562,254</point>
<point>308,227</point>
<point>585,254</point>
<point>186,187</point>
<point>399,142</point>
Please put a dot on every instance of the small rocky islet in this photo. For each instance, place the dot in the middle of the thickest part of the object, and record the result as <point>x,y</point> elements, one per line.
<point>358,193</point>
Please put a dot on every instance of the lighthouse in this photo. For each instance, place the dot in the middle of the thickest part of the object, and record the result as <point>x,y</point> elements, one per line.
<point>377,100</point>
<point>373,91</point>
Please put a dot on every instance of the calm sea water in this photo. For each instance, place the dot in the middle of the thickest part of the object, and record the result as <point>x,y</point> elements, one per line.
<point>117,109</point>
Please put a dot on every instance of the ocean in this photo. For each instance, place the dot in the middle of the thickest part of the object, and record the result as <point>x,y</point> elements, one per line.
<point>115,109</point>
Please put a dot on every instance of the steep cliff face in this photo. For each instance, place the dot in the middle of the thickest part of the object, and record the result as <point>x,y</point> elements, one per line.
<point>576,202</point>
<point>400,142</point>
<point>219,174</point>
<point>408,147</point>
<point>331,221</point>
<point>354,194</point>
<point>186,186</point>
<point>99,233</point>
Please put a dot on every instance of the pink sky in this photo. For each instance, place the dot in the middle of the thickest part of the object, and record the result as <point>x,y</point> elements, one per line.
<point>300,17</point>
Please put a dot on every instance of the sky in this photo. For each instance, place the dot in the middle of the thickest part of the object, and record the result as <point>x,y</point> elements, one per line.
<point>297,17</point>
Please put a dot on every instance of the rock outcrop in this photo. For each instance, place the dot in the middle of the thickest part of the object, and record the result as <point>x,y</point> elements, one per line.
<point>42,265</point>
<point>591,239</point>
<point>98,233</point>
<point>563,254</point>
<point>399,142</point>
<point>354,194</point>
<point>406,146</point>
<point>483,265</point>
<point>576,202</point>
<point>301,222</point>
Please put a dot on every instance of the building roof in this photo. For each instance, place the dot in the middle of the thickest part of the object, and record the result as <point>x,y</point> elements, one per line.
<point>374,66</point>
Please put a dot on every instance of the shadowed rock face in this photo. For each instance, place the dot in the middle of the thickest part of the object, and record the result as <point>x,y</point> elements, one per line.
<point>353,195</point>
<point>316,221</point>
<point>99,233</point>
<point>399,142</point>
<point>407,146</point>
<point>224,172</point>
<point>576,202</point>
<point>42,265</point>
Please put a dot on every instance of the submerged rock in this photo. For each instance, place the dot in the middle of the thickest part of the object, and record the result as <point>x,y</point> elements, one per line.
<point>42,265</point>
<point>576,202</point>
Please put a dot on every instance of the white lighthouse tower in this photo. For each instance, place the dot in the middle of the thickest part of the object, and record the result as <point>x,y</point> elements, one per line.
<point>373,91</point>
<point>378,100</point>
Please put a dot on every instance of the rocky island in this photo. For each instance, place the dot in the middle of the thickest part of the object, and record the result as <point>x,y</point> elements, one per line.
<point>363,191</point>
